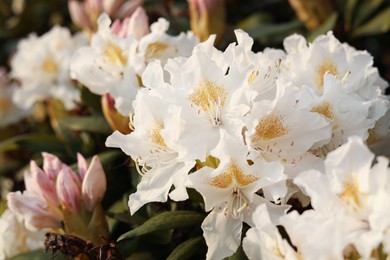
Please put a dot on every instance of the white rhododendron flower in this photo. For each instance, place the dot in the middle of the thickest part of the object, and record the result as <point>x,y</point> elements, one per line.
<point>263,241</point>
<point>104,68</point>
<point>150,146</point>
<point>15,238</point>
<point>311,67</point>
<point>347,201</point>
<point>9,112</point>
<point>158,45</point>
<point>347,114</point>
<point>118,54</point>
<point>230,192</point>
<point>278,129</point>
<point>41,65</point>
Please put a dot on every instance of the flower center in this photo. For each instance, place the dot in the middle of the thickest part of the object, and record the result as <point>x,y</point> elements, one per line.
<point>115,54</point>
<point>326,67</point>
<point>324,109</point>
<point>210,98</point>
<point>49,66</point>
<point>351,195</point>
<point>155,135</point>
<point>154,50</point>
<point>270,127</point>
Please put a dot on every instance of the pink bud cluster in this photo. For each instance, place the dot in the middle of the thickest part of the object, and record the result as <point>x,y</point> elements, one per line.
<point>56,187</point>
<point>84,14</point>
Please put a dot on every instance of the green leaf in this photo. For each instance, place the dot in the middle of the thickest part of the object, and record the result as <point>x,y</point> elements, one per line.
<point>3,206</point>
<point>33,142</point>
<point>36,255</point>
<point>325,27</point>
<point>186,249</point>
<point>377,25</point>
<point>128,246</point>
<point>254,20</point>
<point>275,32</point>
<point>91,100</point>
<point>349,10</point>
<point>365,9</point>
<point>93,124</point>
<point>165,221</point>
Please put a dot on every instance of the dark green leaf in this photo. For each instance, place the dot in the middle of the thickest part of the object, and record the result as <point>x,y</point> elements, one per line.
<point>377,25</point>
<point>186,249</point>
<point>33,142</point>
<point>365,9</point>
<point>91,100</point>
<point>254,20</point>
<point>128,246</point>
<point>165,221</point>
<point>93,124</point>
<point>325,27</point>
<point>274,32</point>
<point>349,10</point>
<point>37,255</point>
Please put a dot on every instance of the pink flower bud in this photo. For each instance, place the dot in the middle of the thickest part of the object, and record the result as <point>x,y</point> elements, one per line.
<point>138,25</point>
<point>78,14</point>
<point>111,6</point>
<point>82,166</point>
<point>43,186</point>
<point>51,165</point>
<point>68,189</point>
<point>35,211</point>
<point>94,184</point>
<point>127,8</point>
<point>207,17</point>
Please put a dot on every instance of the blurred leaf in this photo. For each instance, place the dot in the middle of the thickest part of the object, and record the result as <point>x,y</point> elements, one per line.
<point>127,218</point>
<point>33,142</point>
<point>93,124</point>
<point>165,221</point>
<point>275,32</point>
<point>37,255</point>
<point>238,255</point>
<point>325,27</point>
<point>377,25</point>
<point>254,20</point>
<point>365,9</point>
<point>349,10</point>
<point>128,246</point>
<point>186,249</point>
<point>3,206</point>
<point>91,100</point>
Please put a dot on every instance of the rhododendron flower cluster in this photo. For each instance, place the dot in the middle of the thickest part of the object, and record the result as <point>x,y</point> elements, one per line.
<point>275,144</point>
<point>46,73</point>
<point>258,118</point>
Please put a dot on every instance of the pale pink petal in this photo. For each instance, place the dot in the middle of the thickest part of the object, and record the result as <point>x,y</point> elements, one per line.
<point>34,210</point>
<point>78,14</point>
<point>44,186</point>
<point>128,8</point>
<point>110,6</point>
<point>68,189</point>
<point>138,25</point>
<point>82,165</point>
<point>51,165</point>
<point>94,184</point>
